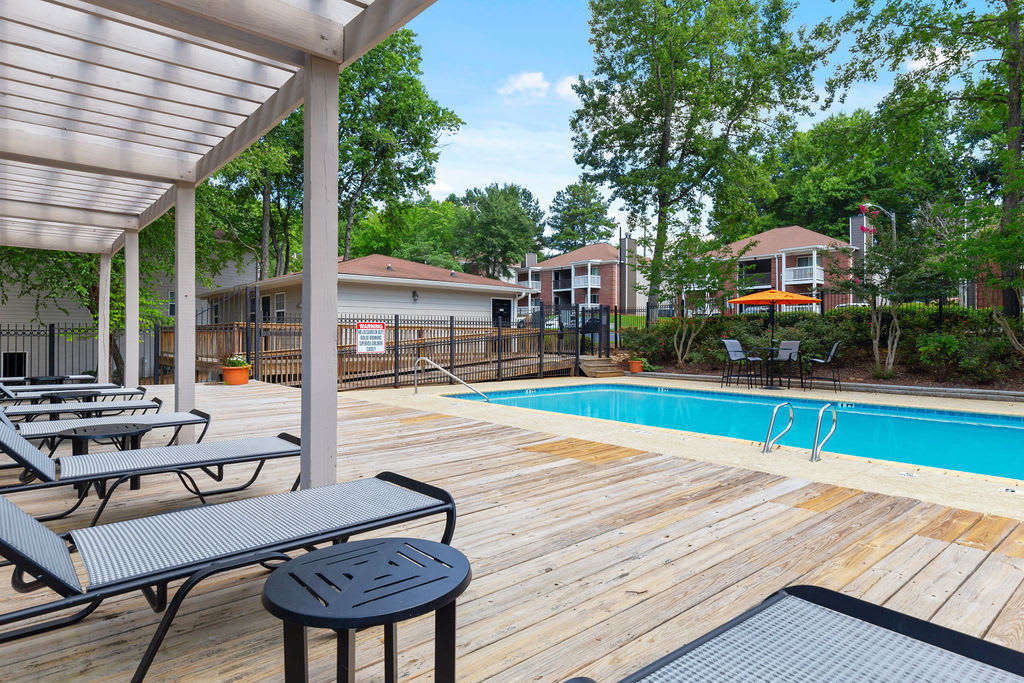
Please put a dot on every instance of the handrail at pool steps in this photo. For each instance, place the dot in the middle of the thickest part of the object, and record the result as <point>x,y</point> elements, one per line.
<point>816,449</point>
<point>416,377</point>
<point>769,442</point>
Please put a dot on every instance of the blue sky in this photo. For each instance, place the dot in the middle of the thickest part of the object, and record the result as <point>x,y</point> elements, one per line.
<point>503,66</point>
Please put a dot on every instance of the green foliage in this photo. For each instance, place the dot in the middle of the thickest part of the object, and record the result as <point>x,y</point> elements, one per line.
<point>497,226</point>
<point>388,129</point>
<point>685,94</point>
<point>578,217</point>
<point>235,361</point>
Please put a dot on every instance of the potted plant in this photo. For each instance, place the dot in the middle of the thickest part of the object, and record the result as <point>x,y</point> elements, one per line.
<point>636,363</point>
<point>235,369</point>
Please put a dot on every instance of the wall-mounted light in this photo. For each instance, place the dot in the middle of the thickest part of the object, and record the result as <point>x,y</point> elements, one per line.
<point>415,296</point>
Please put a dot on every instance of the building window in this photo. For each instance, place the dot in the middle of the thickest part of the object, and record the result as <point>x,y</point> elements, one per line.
<point>279,306</point>
<point>803,261</point>
<point>215,313</point>
<point>594,299</point>
<point>172,309</point>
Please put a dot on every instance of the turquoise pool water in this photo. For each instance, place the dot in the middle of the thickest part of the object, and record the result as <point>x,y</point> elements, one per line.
<point>968,442</point>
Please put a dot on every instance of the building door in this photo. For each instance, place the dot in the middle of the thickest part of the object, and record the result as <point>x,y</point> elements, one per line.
<point>501,309</point>
<point>265,308</point>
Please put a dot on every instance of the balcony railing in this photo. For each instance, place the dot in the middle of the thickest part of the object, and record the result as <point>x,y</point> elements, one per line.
<point>565,283</point>
<point>586,281</point>
<point>805,274</point>
<point>758,279</point>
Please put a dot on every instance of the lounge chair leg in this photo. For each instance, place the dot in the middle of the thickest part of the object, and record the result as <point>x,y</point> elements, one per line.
<point>179,597</point>
<point>83,491</point>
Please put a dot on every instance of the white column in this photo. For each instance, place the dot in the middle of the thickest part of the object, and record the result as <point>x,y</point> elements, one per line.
<point>131,308</point>
<point>103,322</point>
<point>185,303</point>
<point>814,272</point>
<point>320,275</point>
<point>782,274</point>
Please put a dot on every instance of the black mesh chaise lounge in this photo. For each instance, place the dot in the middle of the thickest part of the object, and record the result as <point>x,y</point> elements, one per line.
<point>105,472</point>
<point>50,429</point>
<point>31,411</point>
<point>148,553</point>
<point>21,389</point>
<point>19,397</point>
<point>807,633</point>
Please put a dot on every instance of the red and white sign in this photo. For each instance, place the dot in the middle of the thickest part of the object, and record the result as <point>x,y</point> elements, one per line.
<point>371,338</point>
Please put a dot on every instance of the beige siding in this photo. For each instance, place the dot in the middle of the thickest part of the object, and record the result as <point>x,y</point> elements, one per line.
<point>389,300</point>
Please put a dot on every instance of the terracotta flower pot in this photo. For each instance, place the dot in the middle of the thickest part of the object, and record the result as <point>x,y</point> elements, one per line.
<point>636,366</point>
<point>236,375</point>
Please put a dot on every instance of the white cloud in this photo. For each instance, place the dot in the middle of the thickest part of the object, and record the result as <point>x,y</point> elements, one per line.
<point>530,83</point>
<point>564,89</point>
<point>439,187</point>
<point>925,61</point>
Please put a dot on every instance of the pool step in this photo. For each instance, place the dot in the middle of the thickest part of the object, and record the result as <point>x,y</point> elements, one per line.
<point>592,366</point>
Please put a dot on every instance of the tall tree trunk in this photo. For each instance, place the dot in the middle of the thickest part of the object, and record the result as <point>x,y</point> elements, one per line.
<point>661,234</point>
<point>349,219</point>
<point>1014,57</point>
<point>264,264</point>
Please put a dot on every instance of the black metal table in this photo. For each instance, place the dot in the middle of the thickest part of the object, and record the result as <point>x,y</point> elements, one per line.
<point>84,395</point>
<point>768,354</point>
<point>46,379</point>
<point>376,582</point>
<point>128,435</point>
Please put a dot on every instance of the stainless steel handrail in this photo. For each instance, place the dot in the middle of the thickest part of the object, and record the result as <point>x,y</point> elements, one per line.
<point>416,377</point>
<point>769,442</point>
<point>816,450</point>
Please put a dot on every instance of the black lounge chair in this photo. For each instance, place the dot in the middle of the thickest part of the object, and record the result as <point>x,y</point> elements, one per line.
<point>68,379</point>
<point>50,429</point>
<point>829,362</point>
<point>34,396</point>
<point>21,389</point>
<point>146,554</point>
<point>105,472</point>
<point>807,633</point>
<point>31,411</point>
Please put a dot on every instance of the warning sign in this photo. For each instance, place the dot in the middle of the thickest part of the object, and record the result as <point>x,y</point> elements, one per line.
<point>370,338</point>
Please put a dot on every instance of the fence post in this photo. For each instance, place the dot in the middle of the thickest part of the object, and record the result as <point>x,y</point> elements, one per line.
<point>540,343</point>
<point>577,332</point>
<point>499,347</point>
<point>257,334</point>
<point>821,305</point>
<point>156,353</point>
<point>51,350</point>
<point>247,321</point>
<point>618,327</point>
<point>647,316</point>
<point>395,335</point>
<point>451,347</point>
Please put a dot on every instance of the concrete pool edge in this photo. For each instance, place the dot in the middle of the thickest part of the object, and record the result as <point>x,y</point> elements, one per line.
<point>980,493</point>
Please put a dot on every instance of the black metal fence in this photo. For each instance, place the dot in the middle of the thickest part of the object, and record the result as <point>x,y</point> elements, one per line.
<point>47,349</point>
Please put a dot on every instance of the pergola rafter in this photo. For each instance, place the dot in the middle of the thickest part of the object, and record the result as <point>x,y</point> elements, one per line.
<point>111,111</point>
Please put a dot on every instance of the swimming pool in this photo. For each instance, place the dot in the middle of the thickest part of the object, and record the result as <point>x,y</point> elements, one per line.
<point>969,442</point>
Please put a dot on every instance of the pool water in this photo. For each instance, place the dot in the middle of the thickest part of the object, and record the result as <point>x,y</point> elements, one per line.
<point>969,442</point>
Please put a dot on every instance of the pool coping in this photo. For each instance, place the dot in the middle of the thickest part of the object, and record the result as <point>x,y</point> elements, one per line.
<point>945,487</point>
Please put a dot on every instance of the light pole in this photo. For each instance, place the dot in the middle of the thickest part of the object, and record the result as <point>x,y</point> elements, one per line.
<point>892,217</point>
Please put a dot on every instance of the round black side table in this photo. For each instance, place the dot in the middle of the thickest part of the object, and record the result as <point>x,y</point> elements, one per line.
<point>375,582</point>
<point>83,395</point>
<point>128,435</point>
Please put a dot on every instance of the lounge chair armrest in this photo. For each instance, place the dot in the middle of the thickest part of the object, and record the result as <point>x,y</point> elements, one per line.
<point>291,438</point>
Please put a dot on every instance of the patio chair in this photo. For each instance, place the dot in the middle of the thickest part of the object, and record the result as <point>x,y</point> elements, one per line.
<point>738,364</point>
<point>50,430</point>
<point>34,396</point>
<point>808,633</point>
<point>829,362</point>
<point>31,411</point>
<point>788,354</point>
<point>148,553</point>
<point>105,472</point>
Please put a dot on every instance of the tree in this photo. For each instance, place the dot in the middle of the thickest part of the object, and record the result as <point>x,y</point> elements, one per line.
<point>959,56</point>
<point>499,225</point>
<point>578,217</point>
<point>704,273</point>
<point>422,231</point>
<point>685,93</point>
<point>388,129</point>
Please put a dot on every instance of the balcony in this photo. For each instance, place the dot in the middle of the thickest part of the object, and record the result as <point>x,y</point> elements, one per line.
<point>532,284</point>
<point>586,281</point>
<point>805,274</point>
<point>561,283</point>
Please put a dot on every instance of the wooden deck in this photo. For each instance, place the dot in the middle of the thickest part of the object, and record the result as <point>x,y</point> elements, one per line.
<point>587,558</point>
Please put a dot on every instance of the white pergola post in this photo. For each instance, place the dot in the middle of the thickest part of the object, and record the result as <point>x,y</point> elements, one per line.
<point>320,275</point>
<point>131,308</point>
<point>103,322</point>
<point>185,303</point>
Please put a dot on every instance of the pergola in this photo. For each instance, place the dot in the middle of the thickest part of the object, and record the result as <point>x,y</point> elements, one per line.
<point>112,111</point>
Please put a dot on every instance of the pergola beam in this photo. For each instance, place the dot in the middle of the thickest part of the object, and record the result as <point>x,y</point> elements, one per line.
<point>377,22</point>
<point>82,240</point>
<point>164,14</point>
<point>59,214</point>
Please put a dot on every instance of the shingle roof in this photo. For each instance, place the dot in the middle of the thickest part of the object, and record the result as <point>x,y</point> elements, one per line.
<point>592,252</point>
<point>792,236</point>
<point>376,265</point>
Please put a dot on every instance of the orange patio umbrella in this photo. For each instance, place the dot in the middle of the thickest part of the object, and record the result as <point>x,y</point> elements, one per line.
<point>770,297</point>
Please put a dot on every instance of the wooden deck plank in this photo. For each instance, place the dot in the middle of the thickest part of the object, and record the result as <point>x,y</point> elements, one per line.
<point>587,557</point>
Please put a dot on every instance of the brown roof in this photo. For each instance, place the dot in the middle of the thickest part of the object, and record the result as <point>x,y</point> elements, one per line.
<point>792,236</point>
<point>377,265</point>
<point>592,252</point>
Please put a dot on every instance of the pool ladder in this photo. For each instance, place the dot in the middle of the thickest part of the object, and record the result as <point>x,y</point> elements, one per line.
<point>816,450</point>
<point>769,442</point>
